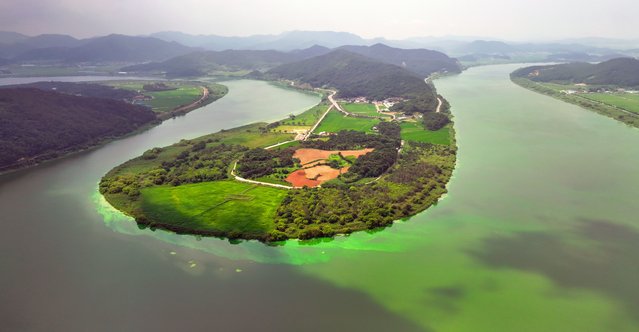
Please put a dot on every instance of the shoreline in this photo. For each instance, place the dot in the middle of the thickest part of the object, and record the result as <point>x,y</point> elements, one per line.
<point>624,116</point>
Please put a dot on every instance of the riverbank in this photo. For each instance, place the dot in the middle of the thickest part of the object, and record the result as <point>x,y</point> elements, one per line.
<point>627,117</point>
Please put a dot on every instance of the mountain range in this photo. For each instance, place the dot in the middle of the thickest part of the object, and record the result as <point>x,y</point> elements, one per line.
<point>419,61</point>
<point>161,46</point>
<point>111,48</point>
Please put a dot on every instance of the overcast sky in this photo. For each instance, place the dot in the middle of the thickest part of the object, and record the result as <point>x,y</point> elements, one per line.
<point>395,19</point>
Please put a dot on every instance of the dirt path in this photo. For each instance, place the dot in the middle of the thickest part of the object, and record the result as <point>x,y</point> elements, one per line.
<point>439,105</point>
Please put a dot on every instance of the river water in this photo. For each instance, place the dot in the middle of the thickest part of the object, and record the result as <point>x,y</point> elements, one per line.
<point>539,232</point>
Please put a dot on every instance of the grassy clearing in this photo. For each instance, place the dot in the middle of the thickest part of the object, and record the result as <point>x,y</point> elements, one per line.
<point>164,101</point>
<point>363,109</point>
<point>627,101</point>
<point>221,206</point>
<point>308,117</point>
<point>250,136</point>
<point>414,131</point>
<point>336,121</point>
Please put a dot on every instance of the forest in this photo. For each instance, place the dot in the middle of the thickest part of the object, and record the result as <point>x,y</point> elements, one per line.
<point>36,125</point>
<point>413,184</point>
<point>80,89</point>
<point>620,72</point>
<point>354,75</point>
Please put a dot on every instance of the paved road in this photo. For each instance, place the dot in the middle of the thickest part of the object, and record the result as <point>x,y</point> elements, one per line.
<point>241,179</point>
<point>333,104</point>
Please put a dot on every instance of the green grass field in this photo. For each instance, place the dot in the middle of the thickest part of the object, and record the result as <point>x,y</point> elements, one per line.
<point>308,117</point>
<point>250,136</point>
<point>627,101</point>
<point>336,121</point>
<point>414,131</point>
<point>225,206</point>
<point>164,101</point>
<point>363,109</point>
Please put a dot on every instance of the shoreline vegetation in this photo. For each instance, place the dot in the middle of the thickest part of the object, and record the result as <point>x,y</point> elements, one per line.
<point>210,92</point>
<point>611,111</point>
<point>190,188</point>
<point>610,88</point>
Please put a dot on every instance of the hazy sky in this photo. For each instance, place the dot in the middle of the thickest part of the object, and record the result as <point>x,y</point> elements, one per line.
<point>513,19</point>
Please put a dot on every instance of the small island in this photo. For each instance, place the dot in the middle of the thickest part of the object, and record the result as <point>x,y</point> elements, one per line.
<point>360,159</point>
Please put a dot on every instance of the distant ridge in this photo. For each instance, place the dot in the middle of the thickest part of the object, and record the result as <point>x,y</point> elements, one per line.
<point>110,48</point>
<point>620,71</point>
<point>354,75</point>
<point>201,63</point>
<point>420,61</point>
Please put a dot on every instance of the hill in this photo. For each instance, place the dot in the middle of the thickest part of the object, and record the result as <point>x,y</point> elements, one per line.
<point>10,37</point>
<point>354,75</point>
<point>112,48</point>
<point>204,62</point>
<point>621,72</point>
<point>15,47</point>
<point>37,125</point>
<point>420,61</point>
<point>79,89</point>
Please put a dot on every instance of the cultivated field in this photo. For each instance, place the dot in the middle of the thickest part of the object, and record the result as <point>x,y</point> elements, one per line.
<point>627,101</point>
<point>314,174</point>
<point>336,121</point>
<point>227,206</point>
<point>164,101</point>
<point>363,109</point>
<point>307,156</point>
<point>414,131</point>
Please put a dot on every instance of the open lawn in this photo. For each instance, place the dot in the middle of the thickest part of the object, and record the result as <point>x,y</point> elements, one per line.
<point>363,109</point>
<point>336,121</point>
<point>224,206</point>
<point>164,101</point>
<point>627,101</point>
<point>414,131</point>
<point>249,136</point>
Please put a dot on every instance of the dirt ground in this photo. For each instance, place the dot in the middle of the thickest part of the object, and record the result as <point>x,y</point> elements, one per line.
<point>308,155</point>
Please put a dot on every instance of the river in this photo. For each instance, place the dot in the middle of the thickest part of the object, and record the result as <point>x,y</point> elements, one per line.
<point>538,233</point>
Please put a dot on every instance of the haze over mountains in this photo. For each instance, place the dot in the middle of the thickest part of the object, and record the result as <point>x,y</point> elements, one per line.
<point>178,54</point>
